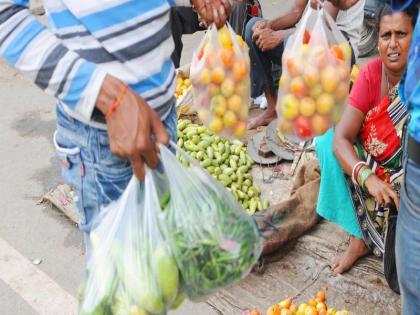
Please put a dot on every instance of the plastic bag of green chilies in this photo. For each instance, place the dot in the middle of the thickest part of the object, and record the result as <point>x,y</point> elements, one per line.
<point>214,241</point>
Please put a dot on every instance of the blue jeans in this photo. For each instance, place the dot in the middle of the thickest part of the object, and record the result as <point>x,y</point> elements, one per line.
<point>96,175</point>
<point>408,239</point>
<point>261,63</point>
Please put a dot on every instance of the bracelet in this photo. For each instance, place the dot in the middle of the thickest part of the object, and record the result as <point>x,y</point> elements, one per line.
<point>363,175</point>
<point>117,102</point>
<point>356,169</point>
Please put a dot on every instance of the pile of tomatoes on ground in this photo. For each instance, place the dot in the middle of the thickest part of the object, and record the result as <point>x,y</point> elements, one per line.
<point>315,306</point>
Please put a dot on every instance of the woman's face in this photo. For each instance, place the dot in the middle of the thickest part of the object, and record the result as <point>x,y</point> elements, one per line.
<point>395,32</point>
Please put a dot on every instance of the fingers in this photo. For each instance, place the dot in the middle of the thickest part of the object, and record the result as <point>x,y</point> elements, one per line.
<point>386,198</point>
<point>150,155</point>
<point>216,18</point>
<point>216,11</point>
<point>159,129</point>
<point>260,42</point>
<point>228,7</point>
<point>256,35</point>
<point>394,196</point>
<point>138,166</point>
<point>255,27</point>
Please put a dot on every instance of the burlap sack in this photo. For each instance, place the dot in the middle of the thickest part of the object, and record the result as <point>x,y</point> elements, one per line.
<point>295,215</point>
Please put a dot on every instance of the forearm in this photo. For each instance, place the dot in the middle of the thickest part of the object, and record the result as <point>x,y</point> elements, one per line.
<point>345,153</point>
<point>286,21</point>
<point>31,48</point>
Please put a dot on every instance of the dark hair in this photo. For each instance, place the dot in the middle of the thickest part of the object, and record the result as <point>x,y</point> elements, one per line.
<point>412,12</point>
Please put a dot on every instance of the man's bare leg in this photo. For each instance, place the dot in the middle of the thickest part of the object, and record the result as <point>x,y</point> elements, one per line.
<point>268,115</point>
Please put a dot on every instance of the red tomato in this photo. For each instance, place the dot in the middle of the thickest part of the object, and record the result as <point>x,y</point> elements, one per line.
<point>302,127</point>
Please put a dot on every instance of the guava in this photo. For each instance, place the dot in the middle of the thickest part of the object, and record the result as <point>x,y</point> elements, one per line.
<point>167,273</point>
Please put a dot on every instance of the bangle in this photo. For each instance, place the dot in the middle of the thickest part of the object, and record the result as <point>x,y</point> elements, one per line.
<point>356,169</point>
<point>115,104</point>
<point>363,175</point>
<point>356,173</point>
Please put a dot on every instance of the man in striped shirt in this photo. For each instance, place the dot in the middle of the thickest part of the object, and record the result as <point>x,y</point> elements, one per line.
<point>108,64</point>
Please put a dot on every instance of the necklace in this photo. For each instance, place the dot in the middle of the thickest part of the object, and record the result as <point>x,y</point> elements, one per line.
<point>389,85</point>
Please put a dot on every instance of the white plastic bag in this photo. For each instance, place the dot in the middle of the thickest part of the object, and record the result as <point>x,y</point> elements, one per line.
<point>131,269</point>
<point>315,77</point>
<point>214,241</point>
<point>220,79</point>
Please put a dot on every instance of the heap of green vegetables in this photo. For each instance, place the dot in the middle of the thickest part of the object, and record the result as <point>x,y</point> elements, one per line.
<point>213,243</point>
<point>227,161</point>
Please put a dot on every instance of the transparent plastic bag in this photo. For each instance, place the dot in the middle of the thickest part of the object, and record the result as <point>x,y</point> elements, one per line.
<point>220,79</point>
<point>131,269</point>
<point>315,80</point>
<point>214,241</point>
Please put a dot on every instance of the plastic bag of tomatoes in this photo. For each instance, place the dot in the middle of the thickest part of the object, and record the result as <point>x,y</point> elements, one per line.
<point>220,79</point>
<point>315,80</point>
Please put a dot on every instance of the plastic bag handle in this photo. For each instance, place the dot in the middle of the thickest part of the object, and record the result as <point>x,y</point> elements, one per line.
<point>329,20</point>
<point>302,24</point>
<point>332,26</point>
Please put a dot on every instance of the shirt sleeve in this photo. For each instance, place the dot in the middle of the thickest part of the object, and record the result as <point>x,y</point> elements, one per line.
<point>360,93</point>
<point>180,3</point>
<point>30,47</point>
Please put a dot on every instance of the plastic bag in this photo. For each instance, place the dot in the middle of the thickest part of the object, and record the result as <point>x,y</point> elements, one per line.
<point>131,269</point>
<point>214,241</point>
<point>315,80</point>
<point>183,91</point>
<point>220,80</point>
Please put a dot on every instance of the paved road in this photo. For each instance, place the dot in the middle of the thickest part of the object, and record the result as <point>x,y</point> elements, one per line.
<point>30,232</point>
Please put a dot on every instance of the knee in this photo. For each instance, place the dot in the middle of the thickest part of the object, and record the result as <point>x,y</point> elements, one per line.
<point>248,30</point>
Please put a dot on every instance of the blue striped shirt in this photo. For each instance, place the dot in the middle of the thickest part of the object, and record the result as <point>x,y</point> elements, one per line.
<point>85,41</point>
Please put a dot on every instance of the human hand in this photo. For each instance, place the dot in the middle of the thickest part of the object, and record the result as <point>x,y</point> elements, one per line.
<point>213,11</point>
<point>131,126</point>
<point>383,193</point>
<point>259,25</point>
<point>269,39</point>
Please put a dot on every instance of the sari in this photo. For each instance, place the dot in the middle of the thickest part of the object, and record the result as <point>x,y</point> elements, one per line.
<point>379,145</point>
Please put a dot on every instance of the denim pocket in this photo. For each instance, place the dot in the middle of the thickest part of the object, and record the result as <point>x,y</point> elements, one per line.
<point>112,173</point>
<point>111,182</point>
<point>72,168</point>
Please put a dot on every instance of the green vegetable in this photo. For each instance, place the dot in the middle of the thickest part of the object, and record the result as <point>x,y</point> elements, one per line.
<point>167,272</point>
<point>214,244</point>
<point>219,156</point>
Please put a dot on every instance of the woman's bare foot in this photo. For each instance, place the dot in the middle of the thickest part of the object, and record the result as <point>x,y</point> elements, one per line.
<point>357,249</point>
<point>262,119</point>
